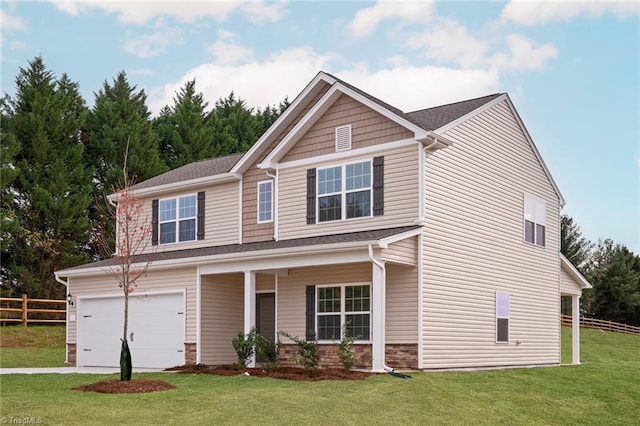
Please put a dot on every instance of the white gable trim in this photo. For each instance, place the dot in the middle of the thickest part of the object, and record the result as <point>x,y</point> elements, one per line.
<point>491,104</point>
<point>384,242</point>
<point>293,109</point>
<point>322,106</point>
<point>573,272</point>
<point>180,186</point>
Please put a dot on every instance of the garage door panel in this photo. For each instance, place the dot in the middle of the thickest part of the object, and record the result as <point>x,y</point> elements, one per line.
<point>156,323</point>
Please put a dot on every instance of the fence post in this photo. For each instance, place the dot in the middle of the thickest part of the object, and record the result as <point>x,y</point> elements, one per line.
<point>24,310</point>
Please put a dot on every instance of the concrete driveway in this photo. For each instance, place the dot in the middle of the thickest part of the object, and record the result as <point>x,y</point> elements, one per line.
<point>74,370</point>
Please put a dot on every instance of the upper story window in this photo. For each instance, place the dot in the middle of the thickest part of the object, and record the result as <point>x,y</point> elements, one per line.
<point>535,216</point>
<point>344,191</point>
<point>177,218</point>
<point>265,201</point>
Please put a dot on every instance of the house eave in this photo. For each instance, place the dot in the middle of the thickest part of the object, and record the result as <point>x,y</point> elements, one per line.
<point>574,273</point>
<point>180,186</point>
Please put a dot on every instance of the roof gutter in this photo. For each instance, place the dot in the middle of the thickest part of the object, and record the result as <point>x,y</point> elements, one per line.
<point>435,141</point>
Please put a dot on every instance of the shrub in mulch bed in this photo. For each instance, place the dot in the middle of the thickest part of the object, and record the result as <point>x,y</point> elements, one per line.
<point>131,386</point>
<point>285,373</point>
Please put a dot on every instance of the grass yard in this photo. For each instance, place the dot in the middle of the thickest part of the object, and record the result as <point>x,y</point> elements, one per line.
<point>34,346</point>
<point>605,390</point>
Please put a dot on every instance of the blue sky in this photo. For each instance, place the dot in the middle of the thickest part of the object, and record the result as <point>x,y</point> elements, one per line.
<point>571,68</point>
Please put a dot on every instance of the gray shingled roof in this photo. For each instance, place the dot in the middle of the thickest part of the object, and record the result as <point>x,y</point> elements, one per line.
<point>436,117</point>
<point>198,169</point>
<point>258,246</point>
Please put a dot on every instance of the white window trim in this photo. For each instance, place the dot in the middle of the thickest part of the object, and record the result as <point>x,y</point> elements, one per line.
<point>262,182</point>
<point>177,219</point>
<point>343,191</point>
<point>536,201</point>
<point>339,130</point>
<point>342,312</point>
<point>499,295</point>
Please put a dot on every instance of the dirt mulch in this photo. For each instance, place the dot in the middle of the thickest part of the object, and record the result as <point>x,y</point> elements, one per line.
<point>132,386</point>
<point>285,373</point>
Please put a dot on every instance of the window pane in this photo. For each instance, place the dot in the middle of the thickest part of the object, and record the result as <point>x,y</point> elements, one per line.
<point>329,299</point>
<point>529,231</point>
<point>358,175</point>
<point>357,298</point>
<point>329,180</point>
<point>329,327</point>
<point>168,232</point>
<point>187,206</point>
<point>502,305</point>
<point>540,235</point>
<point>167,210</point>
<point>358,204</point>
<point>503,330</point>
<point>187,230</point>
<point>329,208</point>
<point>264,201</point>
<point>358,325</point>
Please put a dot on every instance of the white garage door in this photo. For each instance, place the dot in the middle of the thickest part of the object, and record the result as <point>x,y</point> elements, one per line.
<point>156,330</point>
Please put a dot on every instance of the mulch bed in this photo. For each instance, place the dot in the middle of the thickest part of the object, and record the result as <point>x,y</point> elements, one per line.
<point>285,373</point>
<point>131,386</point>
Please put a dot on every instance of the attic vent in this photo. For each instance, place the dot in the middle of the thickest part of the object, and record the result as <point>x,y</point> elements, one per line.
<point>343,138</point>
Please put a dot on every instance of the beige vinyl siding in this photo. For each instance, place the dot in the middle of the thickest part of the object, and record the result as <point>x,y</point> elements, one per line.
<point>178,279</point>
<point>404,252</point>
<point>568,285</point>
<point>401,205</point>
<point>292,288</point>
<point>474,246</point>
<point>265,282</point>
<point>221,217</point>
<point>222,317</point>
<point>401,304</point>
<point>368,127</point>
<point>253,231</point>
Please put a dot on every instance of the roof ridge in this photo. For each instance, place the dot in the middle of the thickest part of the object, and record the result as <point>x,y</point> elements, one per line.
<point>459,102</point>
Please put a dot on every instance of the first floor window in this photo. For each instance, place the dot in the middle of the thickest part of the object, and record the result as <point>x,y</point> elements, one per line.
<point>265,201</point>
<point>535,217</point>
<point>502,317</point>
<point>344,305</point>
<point>177,219</point>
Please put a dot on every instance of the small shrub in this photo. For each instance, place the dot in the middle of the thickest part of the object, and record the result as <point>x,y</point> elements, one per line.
<point>309,354</point>
<point>345,349</point>
<point>244,347</point>
<point>268,349</point>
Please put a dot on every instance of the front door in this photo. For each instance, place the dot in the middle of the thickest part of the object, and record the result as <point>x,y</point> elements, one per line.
<point>266,317</point>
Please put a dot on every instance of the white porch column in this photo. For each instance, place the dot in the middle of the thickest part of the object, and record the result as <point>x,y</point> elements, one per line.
<point>250,306</point>
<point>378,308</point>
<point>575,329</point>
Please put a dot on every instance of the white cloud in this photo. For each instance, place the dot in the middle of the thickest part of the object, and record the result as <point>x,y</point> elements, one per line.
<point>17,45</point>
<point>524,55</point>
<point>366,20</point>
<point>142,11</point>
<point>227,50</point>
<point>286,73</point>
<point>541,12</point>
<point>154,43</point>
<point>10,22</point>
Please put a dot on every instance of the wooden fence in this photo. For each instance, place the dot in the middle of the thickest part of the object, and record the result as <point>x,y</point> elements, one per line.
<point>22,310</point>
<point>602,325</point>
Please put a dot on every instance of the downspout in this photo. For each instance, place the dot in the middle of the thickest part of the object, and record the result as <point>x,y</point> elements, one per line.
<point>421,185</point>
<point>66,331</point>
<point>275,204</point>
<point>381,266</point>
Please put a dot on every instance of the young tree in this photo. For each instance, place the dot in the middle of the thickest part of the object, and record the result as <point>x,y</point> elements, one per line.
<point>133,237</point>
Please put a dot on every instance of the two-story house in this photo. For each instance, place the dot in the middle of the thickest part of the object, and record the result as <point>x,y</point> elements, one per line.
<point>433,235</point>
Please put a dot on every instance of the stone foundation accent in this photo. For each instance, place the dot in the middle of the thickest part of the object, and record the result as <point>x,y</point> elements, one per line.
<point>190,353</point>
<point>401,355</point>
<point>289,355</point>
<point>71,353</point>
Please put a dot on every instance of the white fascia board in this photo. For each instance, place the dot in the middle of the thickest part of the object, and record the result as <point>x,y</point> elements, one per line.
<point>251,257</point>
<point>180,186</point>
<point>573,272</point>
<point>290,112</point>
<point>384,242</point>
<point>319,108</point>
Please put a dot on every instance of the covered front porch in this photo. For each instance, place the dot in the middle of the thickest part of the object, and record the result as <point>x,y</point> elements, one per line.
<point>571,285</point>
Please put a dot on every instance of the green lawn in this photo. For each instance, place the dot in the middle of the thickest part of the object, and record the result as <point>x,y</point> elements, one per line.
<point>34,346</point>
<point>605,390</point>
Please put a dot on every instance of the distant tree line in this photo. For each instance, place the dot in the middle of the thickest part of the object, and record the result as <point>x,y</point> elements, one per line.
<point>59,159</point>
<point>612,269</point>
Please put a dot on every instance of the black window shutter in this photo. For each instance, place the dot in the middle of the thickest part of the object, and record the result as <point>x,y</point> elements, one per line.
<point>378,186</point>
<point>311,196</point>
<point>311,313</point>
<point>200,224</point>
<point>154,222</point>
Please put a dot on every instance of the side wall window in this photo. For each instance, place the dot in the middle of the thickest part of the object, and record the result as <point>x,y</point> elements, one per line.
<point>535,217</point>
<point>265,201</point>
<point>502,317</point>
